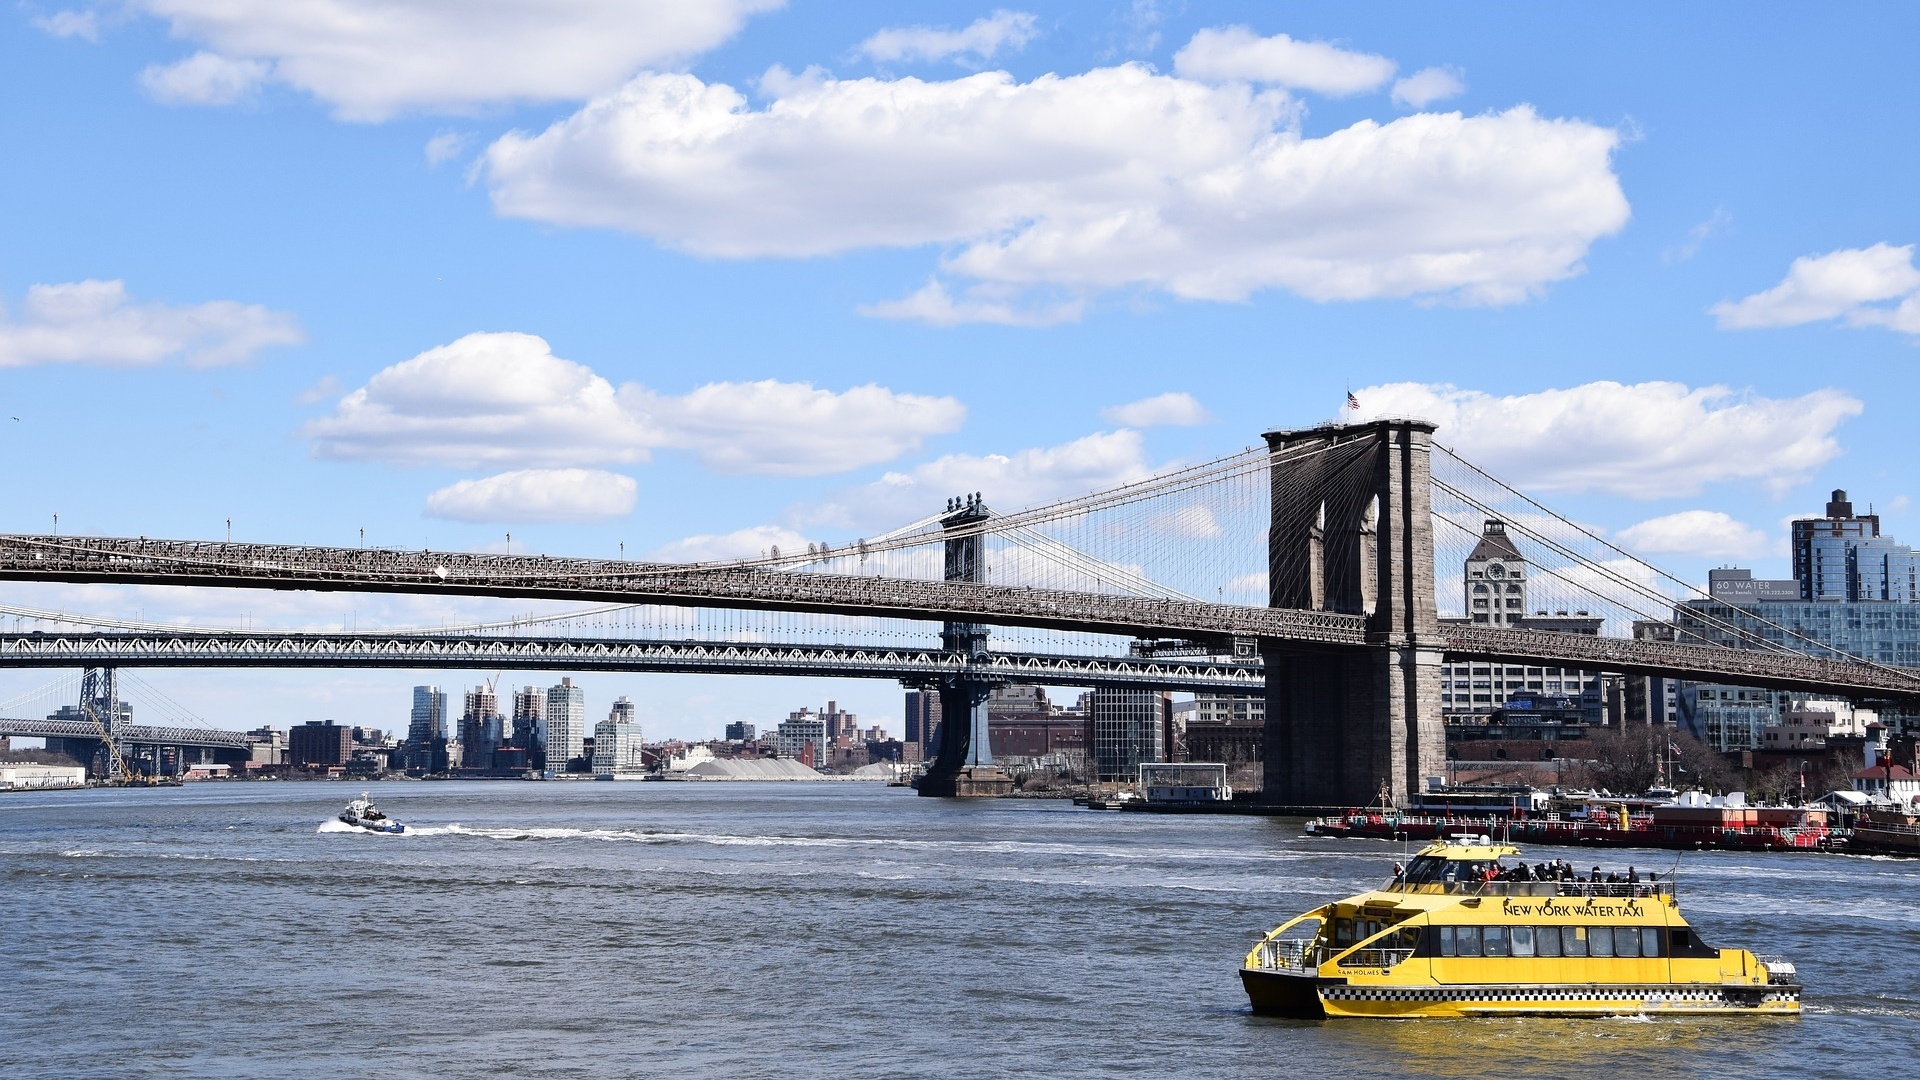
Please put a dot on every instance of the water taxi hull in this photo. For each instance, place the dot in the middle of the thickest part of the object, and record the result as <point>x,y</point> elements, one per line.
<point>1309,997</point>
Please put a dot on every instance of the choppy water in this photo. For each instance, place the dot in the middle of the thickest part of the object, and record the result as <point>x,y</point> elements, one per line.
<point>614,930</point>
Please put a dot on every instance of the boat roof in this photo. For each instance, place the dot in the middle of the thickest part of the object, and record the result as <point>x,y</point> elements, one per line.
<point>1468,849</point>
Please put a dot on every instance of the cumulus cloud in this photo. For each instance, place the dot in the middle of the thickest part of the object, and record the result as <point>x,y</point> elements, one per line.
<point>1011,481</point>
<point>94,322</point>
<point>1171,409</point>
<point>1115,178</point>
<point>370,59</point>
<point>978,43</point>
<point>536,495</point>
<point>1707,534</point>
<point>1236,53</point>
<point>1647,440</point>
<point>203,79</point>
<point>1854,285</point>
<point>1428,85</point>
<point>504,399</point>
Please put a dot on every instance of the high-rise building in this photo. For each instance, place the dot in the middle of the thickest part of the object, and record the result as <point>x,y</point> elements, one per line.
<point>1129,730</point>
<point>480,728</point>
<point>1842,556</point>
<point>838,723</point>
<point>427,731</point>
<point>566,726</point>
<point>616,745</point>
<point>922,725</point>
<point>802,736</point>
<point>530,723</point>
<point>1854,592</point>
<point>739,731</point>
<point>319,743</point>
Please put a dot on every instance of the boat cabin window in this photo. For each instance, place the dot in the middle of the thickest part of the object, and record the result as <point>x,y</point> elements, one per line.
<point>1552,941</point>
<point>1427,870</point>
<point>1342,932</point>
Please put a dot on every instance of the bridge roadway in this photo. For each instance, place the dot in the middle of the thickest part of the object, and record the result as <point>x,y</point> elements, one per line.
<point>468,651</point>
<point>262,566</point>
<point>134,734</point>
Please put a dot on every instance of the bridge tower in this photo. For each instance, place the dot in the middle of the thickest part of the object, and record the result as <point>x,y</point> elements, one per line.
<point>100,696</point>
<point>963,761</point>
<point>1352,532</point>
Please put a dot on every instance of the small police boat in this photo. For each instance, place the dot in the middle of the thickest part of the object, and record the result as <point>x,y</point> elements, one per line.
<point>362,814</point>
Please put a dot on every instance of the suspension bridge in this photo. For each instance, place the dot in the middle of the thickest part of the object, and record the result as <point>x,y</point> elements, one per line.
<point>1318,552</point>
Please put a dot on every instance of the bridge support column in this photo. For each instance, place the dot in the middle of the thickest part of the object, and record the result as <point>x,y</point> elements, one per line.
<point>963,765</point>
<point>1352,532</point>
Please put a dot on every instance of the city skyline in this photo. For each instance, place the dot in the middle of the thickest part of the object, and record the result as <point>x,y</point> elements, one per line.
<point>1694,319</point>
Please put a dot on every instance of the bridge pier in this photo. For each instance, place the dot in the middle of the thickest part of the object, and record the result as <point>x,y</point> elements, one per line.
<point>1352,531</point>
<point>963,763</point>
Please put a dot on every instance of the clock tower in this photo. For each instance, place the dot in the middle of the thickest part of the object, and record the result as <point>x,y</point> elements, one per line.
<point>1495,579</point>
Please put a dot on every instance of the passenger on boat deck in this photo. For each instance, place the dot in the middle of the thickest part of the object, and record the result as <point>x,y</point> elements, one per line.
<point>1633,876</point>
<point>1399,872</point>
<point>1595,878</point>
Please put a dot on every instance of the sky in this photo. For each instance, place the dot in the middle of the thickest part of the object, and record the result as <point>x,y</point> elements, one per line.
<point>687,280</point>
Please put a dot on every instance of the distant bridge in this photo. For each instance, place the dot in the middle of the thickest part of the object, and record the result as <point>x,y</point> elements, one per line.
<point>127,734</point>
<point>466,651</point>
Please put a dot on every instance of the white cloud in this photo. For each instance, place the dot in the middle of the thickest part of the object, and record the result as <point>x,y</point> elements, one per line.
<point>488,399</point>
<point>933,305</point>
<point>1171,409</point>
<point>794,429</point>
<point>1428,85</point>
<point>504,399</point>
<point>446,146</point>
<point>370,59</point>
<point>536,495</point>
<point>61,24</point>
<point>1647,440</point>
<point>204,79</point>
<point>92,322</point>
<point>1707,534</point>
<point>1698,236</point>
<point>978,43</point>
<point>748,543</point>
<point>1236,53</point>
<point>1850,284</point>
<point>1027,478</point>
<point>1116,178</point>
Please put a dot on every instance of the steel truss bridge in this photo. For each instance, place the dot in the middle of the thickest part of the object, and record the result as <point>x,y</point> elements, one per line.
<point>127,734</point>
<point>466,651</point>
<point>261,566</point>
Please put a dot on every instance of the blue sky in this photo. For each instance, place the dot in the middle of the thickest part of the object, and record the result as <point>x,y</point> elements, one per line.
<point>729,265</point>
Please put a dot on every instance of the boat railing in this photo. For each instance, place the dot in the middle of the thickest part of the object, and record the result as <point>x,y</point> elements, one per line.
<point>1292,955</point>
<point>1374,958</point>
<point>1620,889</point>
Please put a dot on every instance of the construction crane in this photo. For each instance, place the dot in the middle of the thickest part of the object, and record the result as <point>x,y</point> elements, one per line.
<point>120,770</point>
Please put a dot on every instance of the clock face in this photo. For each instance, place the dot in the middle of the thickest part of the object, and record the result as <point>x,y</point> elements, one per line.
<point>1495,570</point>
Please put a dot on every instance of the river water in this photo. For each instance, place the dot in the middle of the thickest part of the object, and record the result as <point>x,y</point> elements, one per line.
<point>572,930</point>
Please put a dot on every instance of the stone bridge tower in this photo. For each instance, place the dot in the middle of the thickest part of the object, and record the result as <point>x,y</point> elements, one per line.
<point>1352,532</point>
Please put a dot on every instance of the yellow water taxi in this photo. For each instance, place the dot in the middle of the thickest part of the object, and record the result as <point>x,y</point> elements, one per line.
<point>1466,929</point>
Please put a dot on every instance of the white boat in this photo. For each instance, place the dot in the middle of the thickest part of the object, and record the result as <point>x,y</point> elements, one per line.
<point>362,814</point>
